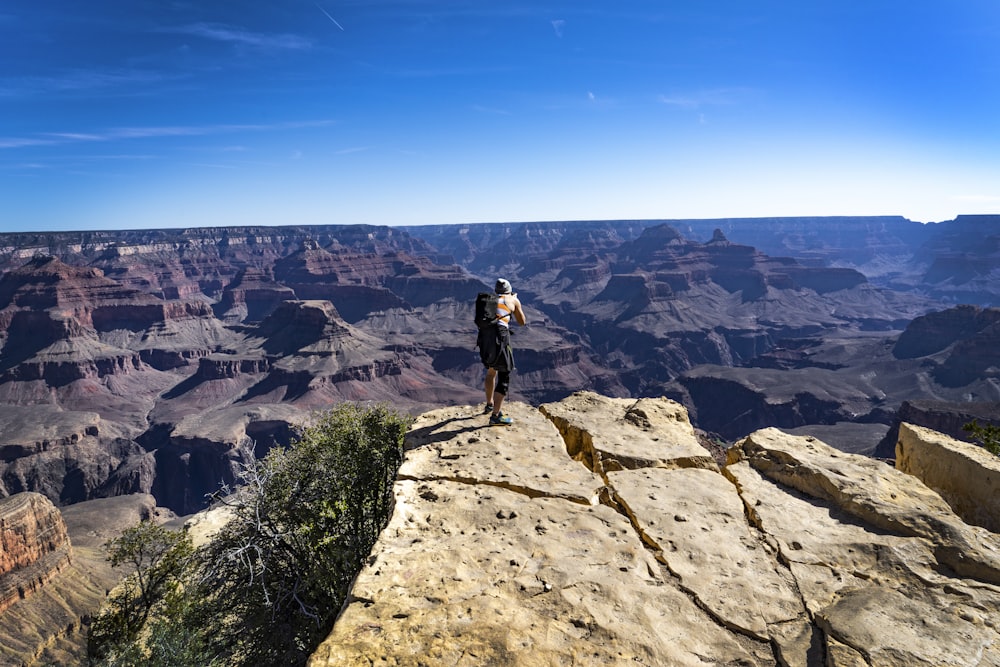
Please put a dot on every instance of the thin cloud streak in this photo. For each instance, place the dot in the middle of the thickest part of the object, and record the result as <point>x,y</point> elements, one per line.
<point>126,133</point>
<point>702,98</point>
<point>229,34</point>
<point>15,142</point>
<point>80,80</point>
<point>335,22</point>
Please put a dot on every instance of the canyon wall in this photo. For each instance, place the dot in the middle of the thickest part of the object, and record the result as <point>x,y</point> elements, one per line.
<point>138,361</point>
<point>34,546</point>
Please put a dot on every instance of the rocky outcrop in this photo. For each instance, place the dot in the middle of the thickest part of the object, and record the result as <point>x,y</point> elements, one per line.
<point>34,546</point>
<point>945,417</point>
<point>967,476</point>
<point>596,531</point>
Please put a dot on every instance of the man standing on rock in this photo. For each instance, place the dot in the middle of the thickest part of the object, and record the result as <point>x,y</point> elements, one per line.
<point>499,367</point>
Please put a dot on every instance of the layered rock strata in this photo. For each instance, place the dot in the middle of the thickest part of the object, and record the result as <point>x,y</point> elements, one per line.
<point>48,627</point>
<point>596,531</point>
<point>34,545</point>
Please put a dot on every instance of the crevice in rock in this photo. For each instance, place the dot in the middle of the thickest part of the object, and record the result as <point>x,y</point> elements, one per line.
<point>580,447</point>
<point>772,547</point>
<point>528,491</point>
<point>754,645</point>
<point>829,633</point>
<point>755,523</point>
<point>657,551</point>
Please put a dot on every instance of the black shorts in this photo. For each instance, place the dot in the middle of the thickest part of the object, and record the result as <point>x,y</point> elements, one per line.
<point>494,348</point>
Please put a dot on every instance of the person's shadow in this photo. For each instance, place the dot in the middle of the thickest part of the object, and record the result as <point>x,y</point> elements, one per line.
<point>432,433</point>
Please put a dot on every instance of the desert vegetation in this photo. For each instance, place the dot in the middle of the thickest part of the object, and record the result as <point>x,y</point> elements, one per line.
<point>267,587</point>
<point>986,436</point>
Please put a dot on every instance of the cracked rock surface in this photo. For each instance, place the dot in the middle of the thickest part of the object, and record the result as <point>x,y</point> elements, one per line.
<point>596,531</point>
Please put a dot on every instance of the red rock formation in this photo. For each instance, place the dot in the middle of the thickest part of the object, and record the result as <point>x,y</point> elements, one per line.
<point>34,545</point>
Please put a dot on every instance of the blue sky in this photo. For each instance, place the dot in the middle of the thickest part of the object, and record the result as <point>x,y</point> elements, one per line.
<point>160,113</point>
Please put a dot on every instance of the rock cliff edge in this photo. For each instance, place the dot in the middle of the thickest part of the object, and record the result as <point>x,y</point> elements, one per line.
<point>598,530</point>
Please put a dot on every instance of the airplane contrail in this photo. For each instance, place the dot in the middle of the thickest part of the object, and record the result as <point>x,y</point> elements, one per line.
<point>328,16</point>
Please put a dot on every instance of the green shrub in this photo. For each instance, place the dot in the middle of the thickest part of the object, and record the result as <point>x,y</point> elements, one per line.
<point>268,586</point>
<point>987,436</point>
<point>156,558</point>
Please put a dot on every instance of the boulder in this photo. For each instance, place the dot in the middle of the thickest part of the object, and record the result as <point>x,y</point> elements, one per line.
<point>967,476</point>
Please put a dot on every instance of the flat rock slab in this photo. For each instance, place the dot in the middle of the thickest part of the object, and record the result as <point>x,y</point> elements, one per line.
<point>629,433</point>
<point>872,590</point>
<point>793,554</point>
<point>459,444</point>
<point>456,581</point>
<point>694,518</point>
<point>900,630</point>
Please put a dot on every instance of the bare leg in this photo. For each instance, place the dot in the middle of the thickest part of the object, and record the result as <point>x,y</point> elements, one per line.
<point>489,384</point>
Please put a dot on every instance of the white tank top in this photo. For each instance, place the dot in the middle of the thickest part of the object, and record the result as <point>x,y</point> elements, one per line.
<point>504,311</point>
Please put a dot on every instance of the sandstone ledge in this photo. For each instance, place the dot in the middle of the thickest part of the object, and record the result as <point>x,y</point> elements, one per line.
<point>947,465</point>
<point>793,554</point>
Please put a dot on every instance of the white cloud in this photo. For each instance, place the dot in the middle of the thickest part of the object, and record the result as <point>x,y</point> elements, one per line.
<point>76,136</point>
<point>557,26</point>
<point>153,132</point>
<point>18,142</point>
<point>224,33</point>
<point>702,98</point>
<point>78,80</point>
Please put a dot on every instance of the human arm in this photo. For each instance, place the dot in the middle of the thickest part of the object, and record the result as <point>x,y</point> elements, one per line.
<point>519,312</point>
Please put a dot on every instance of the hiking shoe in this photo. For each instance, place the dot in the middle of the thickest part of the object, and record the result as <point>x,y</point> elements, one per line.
<point>488,409</point>
<point>500,419</point>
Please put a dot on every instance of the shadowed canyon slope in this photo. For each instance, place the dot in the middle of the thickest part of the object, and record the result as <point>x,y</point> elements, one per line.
<point>136,361</point>
<point>598,531</point>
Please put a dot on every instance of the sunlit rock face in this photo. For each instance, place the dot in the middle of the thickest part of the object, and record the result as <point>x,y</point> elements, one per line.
<point>966,475</point>
<point>945,417</point>
<point>34,546</point>
<point>597,530</point>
